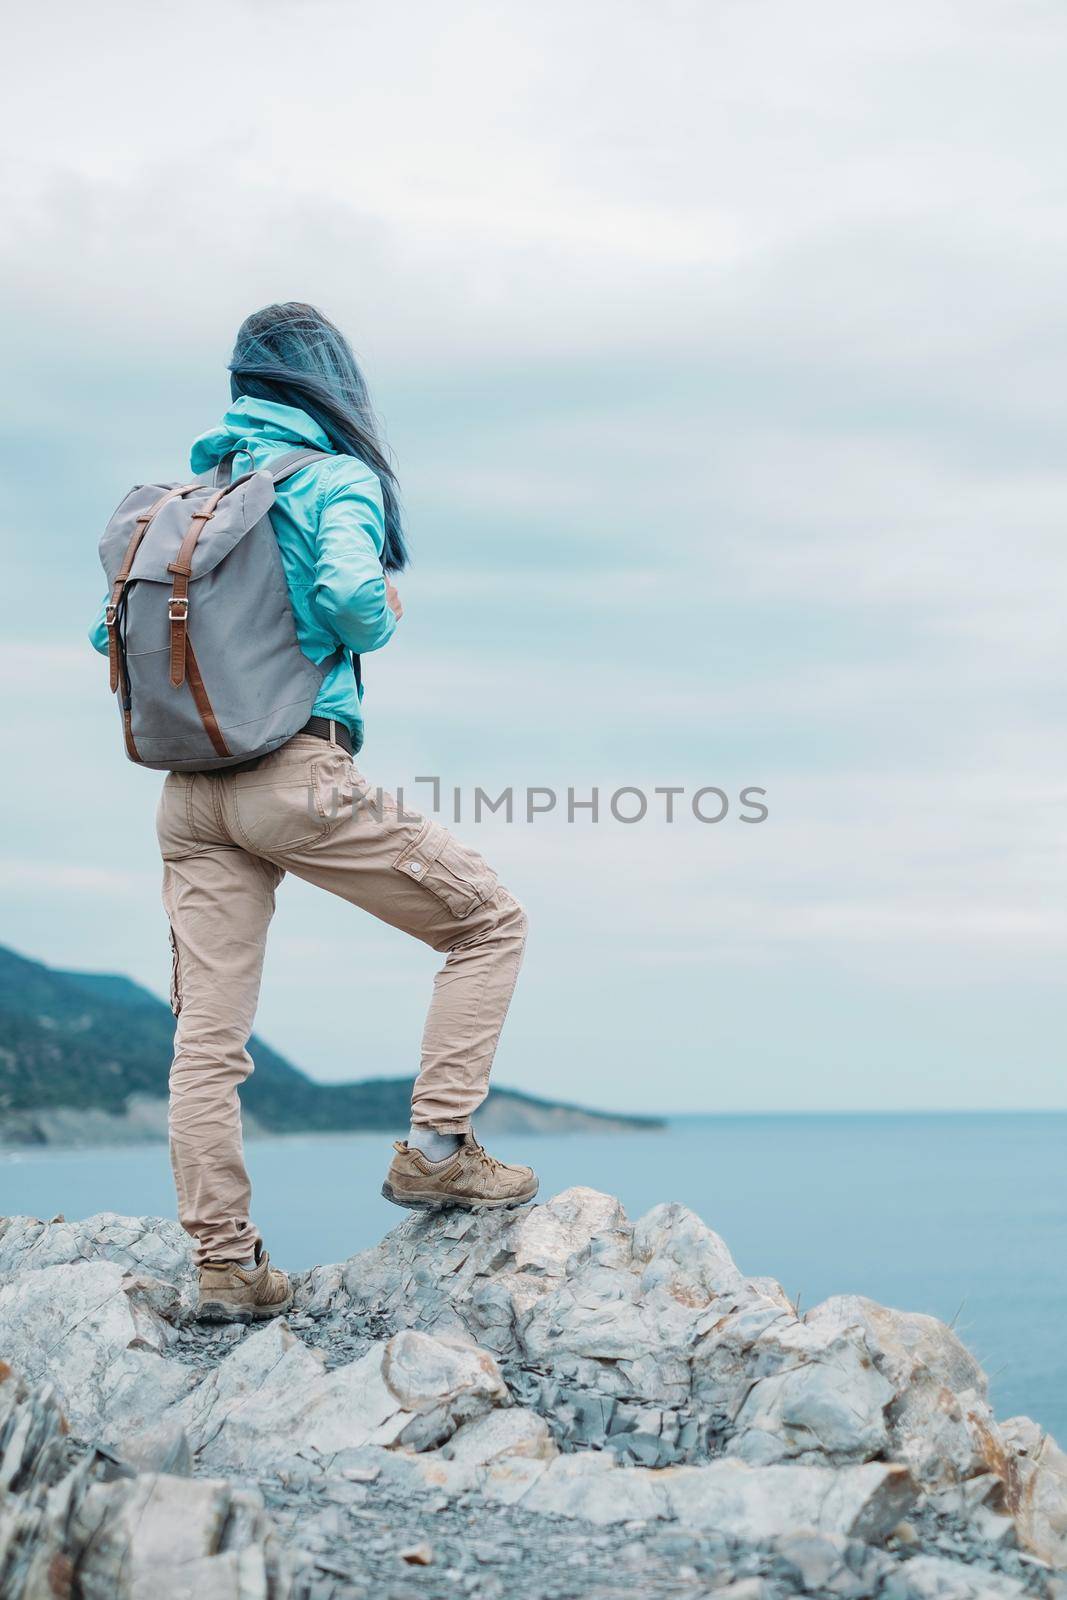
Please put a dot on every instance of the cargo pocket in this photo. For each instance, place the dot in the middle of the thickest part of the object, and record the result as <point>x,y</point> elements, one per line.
<point>175,976</point>
<point>454,873</point>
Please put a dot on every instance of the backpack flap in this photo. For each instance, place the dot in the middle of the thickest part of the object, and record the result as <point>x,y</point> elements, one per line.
<point>238,511</point>
<point>115,541</point>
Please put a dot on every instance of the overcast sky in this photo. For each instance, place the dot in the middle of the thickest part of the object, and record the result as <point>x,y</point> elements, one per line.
<point>721,349</point>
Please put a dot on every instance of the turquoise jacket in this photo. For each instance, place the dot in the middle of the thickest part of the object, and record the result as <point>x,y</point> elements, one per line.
<point>330,527</point>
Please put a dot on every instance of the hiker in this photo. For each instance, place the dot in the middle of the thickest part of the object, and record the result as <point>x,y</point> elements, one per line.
<point>274,564</point>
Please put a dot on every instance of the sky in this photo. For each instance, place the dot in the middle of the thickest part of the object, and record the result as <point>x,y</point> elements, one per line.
<point>720,348</point>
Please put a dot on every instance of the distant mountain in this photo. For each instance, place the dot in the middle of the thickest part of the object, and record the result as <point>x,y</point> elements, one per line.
<point>84,1058</point>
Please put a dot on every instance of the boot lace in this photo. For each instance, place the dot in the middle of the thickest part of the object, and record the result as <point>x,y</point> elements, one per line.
<point>489,1164</point>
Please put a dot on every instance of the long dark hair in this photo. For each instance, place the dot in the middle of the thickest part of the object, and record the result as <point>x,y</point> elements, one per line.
<point>293,354</point>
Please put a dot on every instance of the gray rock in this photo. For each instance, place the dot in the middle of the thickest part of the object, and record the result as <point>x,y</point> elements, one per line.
<point>593,1488</point>
<point>513,1433</point>
<point>604,1322</point>
<point>154,1536</point>
<point>862,1502</point>
<point>939,1421</point>
<point>91,1331</point>
<point>938,1578</point>
<point>830,1407</point>
<point>72,1523</point>
<point>828,1563</point>
<point>154,1247</point>
<point>272,1396</point>
<point>440,1383</point>
<point>447,1369</point>
<point>163,1447</point>
<point>752,1503</point>
<point>32,1430</point>
<point>746,1589</point>
<point>1035,1495</point>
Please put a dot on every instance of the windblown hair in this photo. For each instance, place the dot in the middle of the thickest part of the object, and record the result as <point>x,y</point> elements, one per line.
<point>293,354</point>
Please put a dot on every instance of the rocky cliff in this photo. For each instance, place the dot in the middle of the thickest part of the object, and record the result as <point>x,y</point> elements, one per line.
<point>548,1403</point>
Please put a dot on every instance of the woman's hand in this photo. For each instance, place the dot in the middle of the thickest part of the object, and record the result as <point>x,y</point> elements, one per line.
<point>392,598</point>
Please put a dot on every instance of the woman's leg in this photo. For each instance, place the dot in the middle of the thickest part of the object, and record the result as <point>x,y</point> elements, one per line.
<point>471,995</point>
<point>309,811</point>
<point>219,900</point>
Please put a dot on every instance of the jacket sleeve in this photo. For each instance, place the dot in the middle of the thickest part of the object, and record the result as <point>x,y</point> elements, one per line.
<point>348,593</point>
<point>98,631</point>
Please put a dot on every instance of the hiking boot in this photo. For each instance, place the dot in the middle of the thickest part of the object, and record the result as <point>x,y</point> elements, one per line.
<point>232,1293</point>
<point>470,1180</point>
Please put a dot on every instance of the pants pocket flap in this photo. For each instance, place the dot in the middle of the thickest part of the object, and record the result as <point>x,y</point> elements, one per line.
<point>452,871</point>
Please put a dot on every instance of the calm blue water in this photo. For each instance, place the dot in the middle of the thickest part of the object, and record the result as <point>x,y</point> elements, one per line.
<point>964,1216</point>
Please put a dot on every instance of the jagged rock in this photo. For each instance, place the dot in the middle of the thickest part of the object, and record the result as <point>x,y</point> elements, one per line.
<point>90,1330</point>
<point>32,1434</point>
<point>163,1447</point>
<point>903,1343</point>
<point>156,1536</point>
<point>595,1488</point>
<point>939,1421</point>
<point>937,1578</point>
<point>1035,1478</point>
<point>34,1562</point>
<point>152,1246</point>
<point>440,1384</point>
<point>645,1339</point>
<point>863,1502</point>
<point>829,1563</point>
<point>830,1405</point>
<point>272,1396</point>
<point>69,1528</point>
<point>501,1433</point>
<point>452,1365</point>
<point>605,1320</point>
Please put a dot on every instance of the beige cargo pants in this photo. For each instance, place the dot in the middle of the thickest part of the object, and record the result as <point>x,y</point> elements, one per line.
<point>227,841</point>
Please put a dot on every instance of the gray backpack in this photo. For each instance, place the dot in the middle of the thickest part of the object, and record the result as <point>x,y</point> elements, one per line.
<point>200,562</point>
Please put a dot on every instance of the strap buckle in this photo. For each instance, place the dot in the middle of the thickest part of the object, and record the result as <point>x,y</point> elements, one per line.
<point>110,615</point>
<point>175,615</point>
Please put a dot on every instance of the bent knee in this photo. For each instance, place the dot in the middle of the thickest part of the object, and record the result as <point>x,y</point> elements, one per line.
<point>499,920</point>
<point>509,922</point>
<point>512,914</point>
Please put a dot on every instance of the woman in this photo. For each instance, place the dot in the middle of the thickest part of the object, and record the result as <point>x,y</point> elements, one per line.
<point>228,837</point>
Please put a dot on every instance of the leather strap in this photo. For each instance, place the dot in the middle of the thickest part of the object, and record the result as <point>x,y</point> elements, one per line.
<point>178,604</point>
<point>182,565</point>
<point>111,610</point>
<point>127,734</point>
<point>203,704</point>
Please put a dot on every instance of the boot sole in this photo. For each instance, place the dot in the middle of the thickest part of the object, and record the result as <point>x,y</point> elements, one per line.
<point>437,1202</point>
<point>219,1311</point>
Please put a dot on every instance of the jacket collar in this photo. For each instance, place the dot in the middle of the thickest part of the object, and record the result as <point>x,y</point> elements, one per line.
<point>249,421</point>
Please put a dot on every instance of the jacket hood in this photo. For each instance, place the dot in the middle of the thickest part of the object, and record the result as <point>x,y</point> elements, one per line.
<point>249,420</point>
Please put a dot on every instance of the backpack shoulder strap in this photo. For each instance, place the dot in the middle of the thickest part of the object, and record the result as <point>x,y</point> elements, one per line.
<point>291,462</point>
<point>295,460</point>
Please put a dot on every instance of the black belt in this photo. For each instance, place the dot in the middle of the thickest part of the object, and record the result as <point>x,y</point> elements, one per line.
<point>328,728</point>
<point>319,728</point>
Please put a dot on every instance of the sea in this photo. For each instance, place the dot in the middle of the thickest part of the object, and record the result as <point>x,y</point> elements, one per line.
<point>960,1215</point>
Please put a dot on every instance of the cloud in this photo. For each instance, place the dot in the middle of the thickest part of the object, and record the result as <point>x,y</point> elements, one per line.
<point>721,352</point>
<point>71,878</point>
